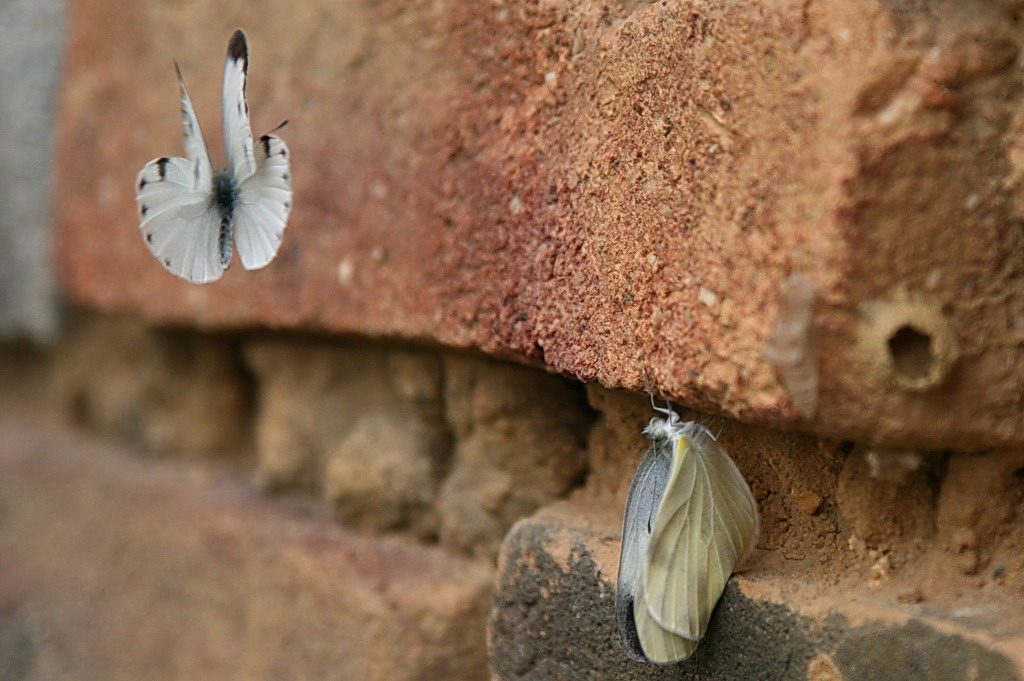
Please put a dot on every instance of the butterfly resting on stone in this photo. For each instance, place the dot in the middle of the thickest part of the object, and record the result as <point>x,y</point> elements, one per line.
<point>191,215</point>
<point>690,519</point>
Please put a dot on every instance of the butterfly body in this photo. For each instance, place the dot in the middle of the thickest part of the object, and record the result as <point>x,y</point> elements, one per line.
<point>223,201</point>
<point>192,217</point>
<point>690,518</point>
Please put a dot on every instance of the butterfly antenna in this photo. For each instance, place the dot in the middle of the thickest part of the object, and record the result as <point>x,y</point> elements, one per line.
<point>650,393</point>
<point>279,126</point>
<point>705,423</point>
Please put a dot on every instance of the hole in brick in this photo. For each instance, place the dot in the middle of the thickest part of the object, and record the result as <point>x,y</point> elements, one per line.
<point>911,351</point>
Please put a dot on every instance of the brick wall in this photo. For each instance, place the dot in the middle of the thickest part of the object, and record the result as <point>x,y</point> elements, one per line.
<point>402,449</point>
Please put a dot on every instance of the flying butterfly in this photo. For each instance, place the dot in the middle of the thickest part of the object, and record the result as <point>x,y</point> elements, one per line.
<point>690,518</point>
<point>191,215</point>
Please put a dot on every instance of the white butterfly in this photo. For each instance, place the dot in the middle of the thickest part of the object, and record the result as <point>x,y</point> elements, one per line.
<point>189,212</point>
<point>690,518</point>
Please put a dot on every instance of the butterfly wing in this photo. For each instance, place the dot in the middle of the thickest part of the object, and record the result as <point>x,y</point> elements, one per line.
<point>644,496</point>
<point>179,224</point>
<point>178,221</point>
<point>264,203</point>
<point>644,639</point>
<point>706,523</point>
<point>235,112</point>
<point>195,145</point>
<point>660,645</point>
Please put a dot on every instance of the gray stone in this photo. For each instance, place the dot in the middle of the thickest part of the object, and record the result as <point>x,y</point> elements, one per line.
<point>553,618</point>
<point>31,45</point>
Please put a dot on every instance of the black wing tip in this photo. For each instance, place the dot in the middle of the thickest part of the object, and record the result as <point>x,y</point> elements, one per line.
<point>238,49</point>
<point>162,166</point>
<point>181,78</point>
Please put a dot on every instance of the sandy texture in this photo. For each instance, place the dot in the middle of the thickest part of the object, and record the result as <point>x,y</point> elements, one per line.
<point>872,561</point>
<point>617,190</point>
<point>846,526</point>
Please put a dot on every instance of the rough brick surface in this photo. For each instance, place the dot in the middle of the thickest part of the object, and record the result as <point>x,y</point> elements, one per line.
<point>114,568</point>
<point>433,443</point>
<point>620,191</point>
<point>361,426</point>
<point>520,442</point>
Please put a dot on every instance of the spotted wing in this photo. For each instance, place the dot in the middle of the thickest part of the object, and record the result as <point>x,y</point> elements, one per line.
<point>235,113</point>
<point>264,203</point>
<point>195,145</point>
<point>179,224</point>
<point>174,197</point>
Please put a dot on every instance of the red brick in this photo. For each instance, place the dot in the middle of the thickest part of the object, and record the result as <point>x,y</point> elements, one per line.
<point>115,568</point>
<point>618,191</point>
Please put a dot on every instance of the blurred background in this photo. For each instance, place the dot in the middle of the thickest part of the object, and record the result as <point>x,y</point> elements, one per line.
<point>31,45</point>
<point>330,469</point>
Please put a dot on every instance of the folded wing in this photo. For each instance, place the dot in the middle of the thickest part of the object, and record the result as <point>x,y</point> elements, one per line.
<point>660,645</point>
<point>644,496</point>
<point>644,638</point>
<point>706,524</point>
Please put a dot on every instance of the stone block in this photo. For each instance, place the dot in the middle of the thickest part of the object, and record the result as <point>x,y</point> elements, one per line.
<point>553,618</point>
<point>618,191</point>
<point>383,475</point>
<point>978,515</point>
<point>520,439</point>
<point>440,445</point>
<point>363,427</point>
<point>170,392</point>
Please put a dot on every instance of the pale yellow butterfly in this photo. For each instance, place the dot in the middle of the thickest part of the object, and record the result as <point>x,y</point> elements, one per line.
<point>690,519</point>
